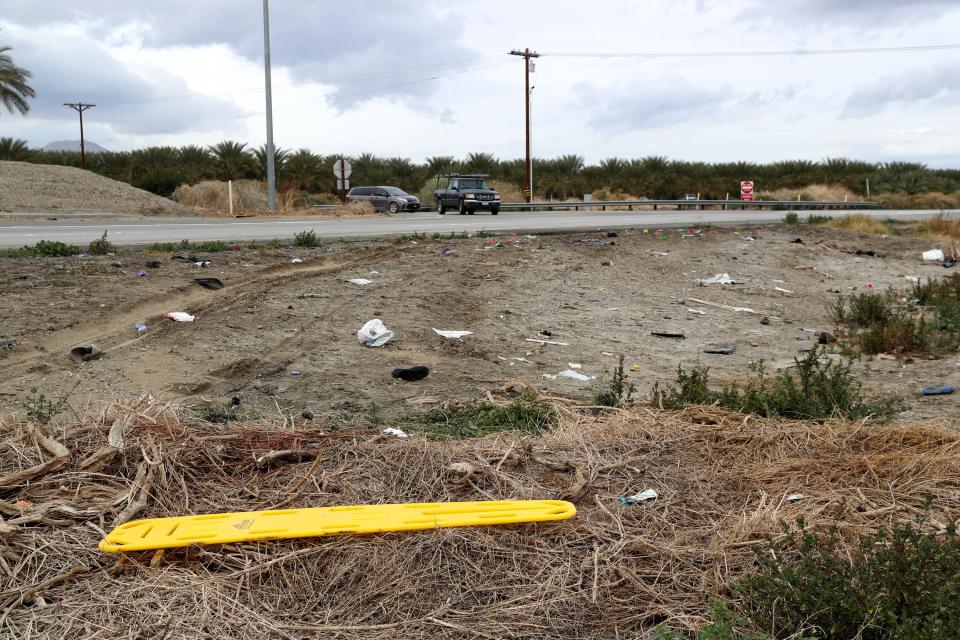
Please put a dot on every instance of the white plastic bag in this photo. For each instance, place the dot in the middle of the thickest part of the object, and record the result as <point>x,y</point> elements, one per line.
<point>360,281</point>
<point>374,334</point>
<point>180,316</point>
<point>934,255</point>
<point>453,335</point>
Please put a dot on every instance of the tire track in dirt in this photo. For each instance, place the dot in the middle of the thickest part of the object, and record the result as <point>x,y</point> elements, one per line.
<point>111,334</point>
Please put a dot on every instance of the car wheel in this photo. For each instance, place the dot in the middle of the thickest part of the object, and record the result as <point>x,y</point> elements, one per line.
<point>441,208</point>
<point>462,208</point>
<point>494,212</point>
<point>393,207</point>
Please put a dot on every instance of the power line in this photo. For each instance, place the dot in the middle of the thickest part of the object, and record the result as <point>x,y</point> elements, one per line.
<point>757,54</point>
<point>80,107</point>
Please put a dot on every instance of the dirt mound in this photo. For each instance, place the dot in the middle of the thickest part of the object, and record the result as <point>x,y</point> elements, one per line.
<point>26,187</point>
<point>613,570</point>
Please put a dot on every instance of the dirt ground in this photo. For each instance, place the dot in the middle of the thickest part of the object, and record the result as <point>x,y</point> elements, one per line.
<point>282,336</point>
<point>27,187</point>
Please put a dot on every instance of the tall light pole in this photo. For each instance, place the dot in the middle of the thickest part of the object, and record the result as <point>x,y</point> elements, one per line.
<point>527,55</point>
<point>80,107</point>
<point>271,176</point>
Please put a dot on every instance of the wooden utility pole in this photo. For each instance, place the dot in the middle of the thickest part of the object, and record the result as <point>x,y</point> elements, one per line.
<point>80,107</point>
<point>527,55</point>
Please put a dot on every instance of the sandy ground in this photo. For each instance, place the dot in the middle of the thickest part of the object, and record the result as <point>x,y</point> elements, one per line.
<point>282,335</point>
<point>27,187</point>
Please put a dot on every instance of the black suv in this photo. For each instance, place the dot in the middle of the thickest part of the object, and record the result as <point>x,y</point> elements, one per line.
<point>467,194</point>
<point>392,199</point>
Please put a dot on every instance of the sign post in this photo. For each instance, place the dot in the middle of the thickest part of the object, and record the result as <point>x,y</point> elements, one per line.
<point>746,190</point>
<point>342,170</point>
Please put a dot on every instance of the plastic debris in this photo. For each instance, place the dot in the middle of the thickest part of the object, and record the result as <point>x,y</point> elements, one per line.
<point>391,431</point>
<point>668,334</point>
<point>553,342</point>
<point>575,375</point>
<point>180,316</point>
<point>764,320</point>
<point>7,343</point>
<point>202,263</point>
<point>643,496</point>
<point>296,261</point>
<point>933,255</point>
<point>142,274</point>
<point>574,365</point>
<point>360,281</point>
<point>782,290</point>
<point>209,283</point>
<point>295,373</point>
<point>724,351</point>
<point>720,278</point>
<point>374,334</point>
<point>453,335</point>
<point>410,374</point>
<point>549,376</point>
<point>89,352</point>
<point>949,263</point>
<point>793,497</point>
<point>140,327</point>
<point>937,391</point>
<point>699,312</point>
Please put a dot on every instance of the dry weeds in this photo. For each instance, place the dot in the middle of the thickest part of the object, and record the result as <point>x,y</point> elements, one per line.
<point>723,481</point>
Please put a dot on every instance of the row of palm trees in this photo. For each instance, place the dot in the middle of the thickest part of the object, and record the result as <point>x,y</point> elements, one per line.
<point>162,169</point>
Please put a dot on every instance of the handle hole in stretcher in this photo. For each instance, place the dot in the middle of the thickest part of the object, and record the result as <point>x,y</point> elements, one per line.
<point>147,531</point>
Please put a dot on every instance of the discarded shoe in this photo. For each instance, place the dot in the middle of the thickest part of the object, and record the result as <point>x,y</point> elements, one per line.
<point>937,391</point>
<point>89,352</point>
<point>209,283</point>
<point>410,374</point>
<point>723,351</point>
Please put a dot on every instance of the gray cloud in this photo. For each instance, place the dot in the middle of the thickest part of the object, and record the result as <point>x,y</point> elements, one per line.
<point>68,69</point>
<point>650,105</point>
<point>358,48</point>
<point>938,84</point>
<point>860,13</point>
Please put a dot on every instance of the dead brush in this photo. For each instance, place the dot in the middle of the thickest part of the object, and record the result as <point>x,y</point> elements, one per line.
<point>613,570</point>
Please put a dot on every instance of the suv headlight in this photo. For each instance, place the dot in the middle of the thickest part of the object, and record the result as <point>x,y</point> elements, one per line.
<point>496,196</point>
<point>469,196</point>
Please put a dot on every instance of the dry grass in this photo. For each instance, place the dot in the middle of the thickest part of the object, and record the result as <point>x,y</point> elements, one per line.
<point>812,192</point>
<point>612,571</point>
<point>212,195</point>
<point>860,223</point>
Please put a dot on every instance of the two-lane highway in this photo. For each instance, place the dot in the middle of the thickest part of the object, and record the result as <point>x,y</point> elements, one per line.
<point>139,231</point>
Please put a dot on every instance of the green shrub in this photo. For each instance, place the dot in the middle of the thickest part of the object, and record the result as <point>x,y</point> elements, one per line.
<point>207,246</point>
<point>791,218</point>
<point>815,390</point>
<point>46,249</point>
<point>615,392</point>
<point>898,584</point>
<point>101,246</point>
<point>477,419</point>
<point>816,218</point>
<point>306,239</point>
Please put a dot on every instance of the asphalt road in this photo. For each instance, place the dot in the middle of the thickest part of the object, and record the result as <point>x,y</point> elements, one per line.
<point>134,231</point>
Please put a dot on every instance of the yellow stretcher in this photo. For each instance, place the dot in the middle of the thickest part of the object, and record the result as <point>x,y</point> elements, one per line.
<point>220,528</point>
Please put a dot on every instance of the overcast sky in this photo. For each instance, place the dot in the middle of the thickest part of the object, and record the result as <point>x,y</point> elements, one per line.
<point>417,78</point>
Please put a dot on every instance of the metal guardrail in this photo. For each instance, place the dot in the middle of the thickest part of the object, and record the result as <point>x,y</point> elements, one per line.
<point>601,205</point>
<point>693,204</point>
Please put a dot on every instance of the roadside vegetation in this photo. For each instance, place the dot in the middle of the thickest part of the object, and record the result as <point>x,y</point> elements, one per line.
<point>816,388</point>
<point>476,419</point>
<point>43,249</point>
<point>207,246</point>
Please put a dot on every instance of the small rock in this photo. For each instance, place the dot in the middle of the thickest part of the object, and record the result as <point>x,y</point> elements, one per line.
<point>765,321</point>
<point>611,234</point>
<point>306,415</point>
<point>605,263</point>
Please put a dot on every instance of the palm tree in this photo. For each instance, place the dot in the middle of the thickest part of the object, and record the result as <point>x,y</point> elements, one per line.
<point>303,169</point>
<point>232,159</point>
<point>279,160</point>
<point>14,89</point>
<point>11,149</point>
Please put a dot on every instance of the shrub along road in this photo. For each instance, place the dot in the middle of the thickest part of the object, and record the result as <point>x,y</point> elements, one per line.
<point>135,231</point>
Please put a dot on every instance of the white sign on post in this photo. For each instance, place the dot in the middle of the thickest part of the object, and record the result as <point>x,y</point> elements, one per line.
<point>342,168</point>
<point>343,185</point>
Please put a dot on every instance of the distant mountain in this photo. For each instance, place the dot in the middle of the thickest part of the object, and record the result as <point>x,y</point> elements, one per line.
<point>74,145</point>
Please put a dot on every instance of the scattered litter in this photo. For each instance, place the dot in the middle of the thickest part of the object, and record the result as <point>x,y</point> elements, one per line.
<point>869,285</point>
<point>576,375</point>
<point>871,253</point>
<point>360,281</point>
<point>7,343</point>
<point>453,335</point>
<point>668,334</point>
<point>793,497</point>
<point>202,263</point>
<point>749,238</point>
<point>809,330</point>
<point>523,360</point>
<point>661,253</point>
<point>545,333</point>
<point>643,496</point>
<point>782,290</point>
<point>410,374</point>
<point>374,273</point>
<point>446,251</point>
<point>140,327</point>
<point>559,344</point>
<point>823,338</point>
<point>209,283</point>
<point>636,367</point>
<point>949,263</point>
<point>911,278</point>
<point>294,373</point>
<point>937,391</point>
<point>142,274</point>
<point>797,241</point>
<point>724,351</point>
<point>549,376</point>
<point>720,278</point>
<point>574,365</point>
<point>391,431</point>
<point>606,353</point>
<point>611,234</point>
<point>723,306</point>
<point>374,334</point>
<point>180,316</point>
<point>933,255</point>
<point>296,261</point>
<point>764,320</point>
<point>805,267</point>
<point>82,354</point>
<point>699,312</point>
